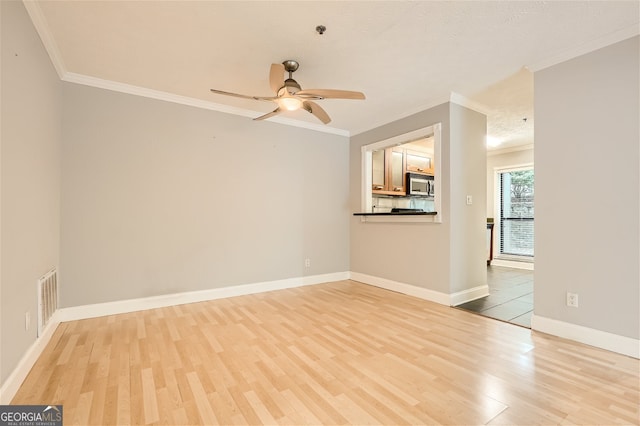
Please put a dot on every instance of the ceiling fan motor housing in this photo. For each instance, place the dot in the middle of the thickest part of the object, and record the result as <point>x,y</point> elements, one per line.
<point>290,66</point>
<point>292,86</point>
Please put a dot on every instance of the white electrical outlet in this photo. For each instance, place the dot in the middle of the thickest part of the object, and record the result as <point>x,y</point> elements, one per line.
<point>572,300</point>
<point>307,263</point>
<point>27,321</point>
<point>469,200</point>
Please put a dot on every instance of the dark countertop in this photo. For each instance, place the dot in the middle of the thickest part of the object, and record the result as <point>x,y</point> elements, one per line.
<point>398,214</point>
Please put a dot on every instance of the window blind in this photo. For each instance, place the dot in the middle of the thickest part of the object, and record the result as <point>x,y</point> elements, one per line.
<point>516,212</point>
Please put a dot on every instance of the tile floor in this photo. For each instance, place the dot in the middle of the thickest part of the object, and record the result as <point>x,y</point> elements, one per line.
<point>510,298</point>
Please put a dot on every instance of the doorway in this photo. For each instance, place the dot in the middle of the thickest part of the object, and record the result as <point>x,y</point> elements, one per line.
<point>510,296</point>
<point>510,272</point>
<point>515,214</point>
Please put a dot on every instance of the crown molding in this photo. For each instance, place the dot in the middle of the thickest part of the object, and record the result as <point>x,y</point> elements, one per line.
<point>461,100</point>
<point>500,151</point>
<point>40,24</point>
<point>397,117</point>
<point>194,102</point>
<point>453,97</point>
<point>585,48</point>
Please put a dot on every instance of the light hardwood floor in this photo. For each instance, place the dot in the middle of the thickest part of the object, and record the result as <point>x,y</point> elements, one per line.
<point>335,353</point>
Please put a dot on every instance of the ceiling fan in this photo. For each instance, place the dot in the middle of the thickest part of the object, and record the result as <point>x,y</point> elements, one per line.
<point>291,97</point>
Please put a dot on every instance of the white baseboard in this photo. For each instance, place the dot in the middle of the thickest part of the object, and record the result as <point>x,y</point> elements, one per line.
<point>468,295</point>
<point>17,376</point>
<point>600,339</point>
<point>529,266</point>
<point>15,379</point>
<point>612,342</point>
<point>411,290</point>
<point>133,305</point>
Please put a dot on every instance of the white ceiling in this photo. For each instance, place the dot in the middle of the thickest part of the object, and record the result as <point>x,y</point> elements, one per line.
<point>404,55</point>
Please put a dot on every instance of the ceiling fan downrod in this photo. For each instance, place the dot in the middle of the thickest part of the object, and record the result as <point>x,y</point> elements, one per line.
<point>290,66</point>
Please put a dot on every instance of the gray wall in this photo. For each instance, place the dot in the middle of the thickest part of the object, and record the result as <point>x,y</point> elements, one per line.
<point>587,186</point>
<point>468,168</point>
<point>30,179</point>
<point>402,252</point>
<point>161,198</point>
<point>430,255</point>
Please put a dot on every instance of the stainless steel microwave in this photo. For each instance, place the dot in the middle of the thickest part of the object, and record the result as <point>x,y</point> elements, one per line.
<point>422,185</point>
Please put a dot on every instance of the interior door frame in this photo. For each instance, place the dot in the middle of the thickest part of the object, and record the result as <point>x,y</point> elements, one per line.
<point>498,258</point>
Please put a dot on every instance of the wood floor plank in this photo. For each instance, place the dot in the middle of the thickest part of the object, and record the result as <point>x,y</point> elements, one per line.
<point>300,410</point>
<point>335,353</point>
<point>260,408</point>
<point>165,407</point>
<point>98,402</point>
<point>110,414</point>
<point>80,413</point>
<point>149,397</point>
<point>205,411</point>
<point>136,395</point>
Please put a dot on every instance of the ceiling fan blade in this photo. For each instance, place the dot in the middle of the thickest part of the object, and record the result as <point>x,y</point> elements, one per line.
<point>315,109</point>
<point>276,77</point>
<point>269,114</point>
<point>329,94</point>
<point>237,95</point>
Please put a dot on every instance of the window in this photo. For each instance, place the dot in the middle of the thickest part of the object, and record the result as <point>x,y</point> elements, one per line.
<point>516,212</point>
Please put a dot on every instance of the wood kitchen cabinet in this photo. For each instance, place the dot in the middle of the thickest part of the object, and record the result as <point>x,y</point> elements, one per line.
<point>419,162</point>
<point>379,170</point>
<point>388,171</point>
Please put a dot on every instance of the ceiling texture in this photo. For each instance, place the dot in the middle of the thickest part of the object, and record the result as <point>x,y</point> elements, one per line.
<point>406,56</point>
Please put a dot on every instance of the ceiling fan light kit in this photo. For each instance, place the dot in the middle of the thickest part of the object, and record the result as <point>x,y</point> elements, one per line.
<point>290,96</point>
<point>289,103</point>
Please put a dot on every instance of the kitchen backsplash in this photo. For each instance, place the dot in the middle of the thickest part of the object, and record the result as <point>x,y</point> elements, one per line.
<point>385,204</point>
